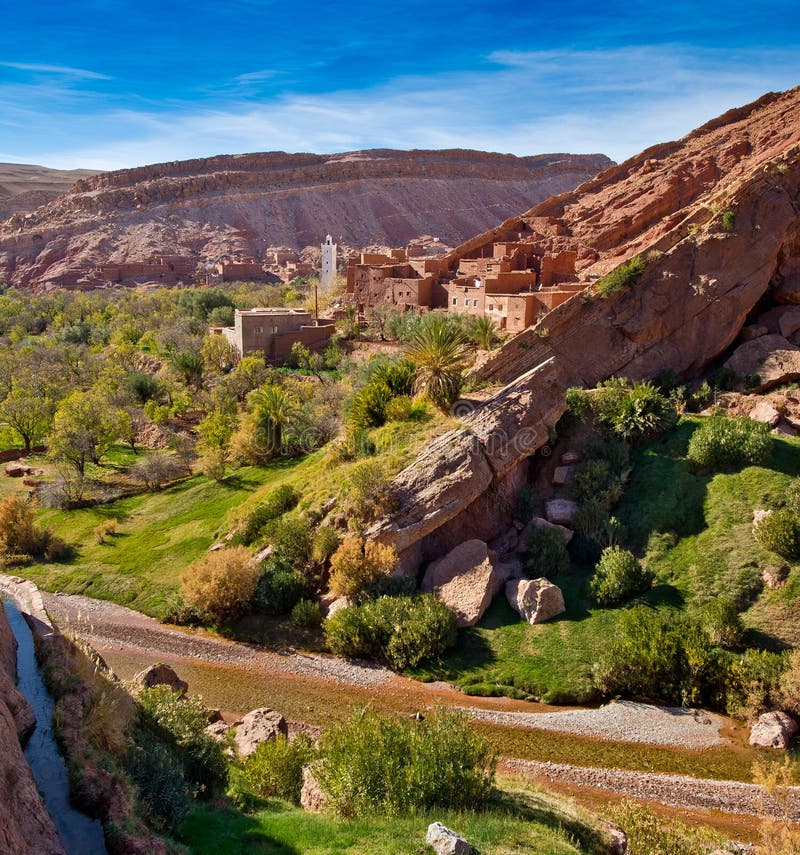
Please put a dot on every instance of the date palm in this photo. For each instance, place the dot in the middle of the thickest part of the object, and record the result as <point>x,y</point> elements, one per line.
<point>439,352</point>
<point>274,409</point>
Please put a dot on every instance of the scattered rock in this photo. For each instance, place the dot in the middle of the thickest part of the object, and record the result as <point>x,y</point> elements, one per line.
<point>536,600</point>
<point>617,839</point>
<point>466,579</point>
<point>446,842</point>
<point>773,730</point>
<point>505,542</point>
<point>568,458</point>
<point>261,725</point>
<point>563,475</point>
<point>218,730</point>
<point>338,604</point>
<point>540,522</point>
<point>561,511</point>
<point>764,412</point>
<point>161,675</point>
<point>263,554</point>
<point>775,576</point>
<point>758,515</point>
<point>789,322</point>
<point>312,797</point>
<point>771,357</point>
<point>752,331</point>
<point>785,428</point>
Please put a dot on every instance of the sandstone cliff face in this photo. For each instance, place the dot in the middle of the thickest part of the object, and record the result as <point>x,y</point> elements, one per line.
<point>25,825</point>
<point>242,204</point>
<point>700,284</point>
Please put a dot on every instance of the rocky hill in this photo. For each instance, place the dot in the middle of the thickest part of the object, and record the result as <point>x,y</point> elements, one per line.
<point>24,187</point>
<point>238,205</point>
<point>715,216</point>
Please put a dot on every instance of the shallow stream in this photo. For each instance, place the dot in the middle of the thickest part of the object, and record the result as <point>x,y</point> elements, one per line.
<point>79,834</point>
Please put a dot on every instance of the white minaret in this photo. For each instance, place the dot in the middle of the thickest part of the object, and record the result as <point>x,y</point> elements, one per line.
<point>328,250</point>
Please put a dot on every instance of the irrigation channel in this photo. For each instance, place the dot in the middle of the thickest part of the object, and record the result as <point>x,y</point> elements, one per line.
<point>79,834</point>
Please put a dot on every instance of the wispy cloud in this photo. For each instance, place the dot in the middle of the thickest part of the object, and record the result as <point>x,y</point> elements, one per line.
<point>65,70</point>
<point>617,101</point>
<point>257,76</point>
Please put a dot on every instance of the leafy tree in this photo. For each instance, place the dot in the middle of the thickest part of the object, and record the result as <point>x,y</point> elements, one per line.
<point>188,365</point>
<point>28,415</point>
<point>85,426</point>
<point>274,408</point>
<point>218,354</point>
<point>483,331</point>
<point>439,353</point>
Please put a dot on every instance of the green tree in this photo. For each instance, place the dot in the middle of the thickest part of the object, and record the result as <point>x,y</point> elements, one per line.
<point>483,331</point>
<point>28,415</point>
<point>274,408</point>
<point>85,426</point>
<point>439,353</point>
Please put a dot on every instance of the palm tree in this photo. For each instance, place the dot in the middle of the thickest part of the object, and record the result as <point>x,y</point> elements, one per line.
<point>438,352</point>
<point>483,331</point>
<point>274,408</point>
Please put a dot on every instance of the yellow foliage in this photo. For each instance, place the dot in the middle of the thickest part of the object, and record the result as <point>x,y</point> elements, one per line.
<point>779,834</point>
<point>355,565</point>
<point>221,584</point>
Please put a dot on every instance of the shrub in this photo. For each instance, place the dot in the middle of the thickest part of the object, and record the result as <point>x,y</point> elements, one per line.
<point>400,409</point>
<point>291,538</point>
<point>728,220</point>
<point>355,565</point>
<point>278,590</point>
<point>779,532</point>
<point>325,543</point>
<point>374,764</point>
<point>721,622</point>
<point>617,576</point>
<point>721,441</point>
<point>752,381</point>
<point>754,683</point>
<point>547,553</point>
<point>632,411</point>
<point>400,631</point>
<point>275,768</point>
<point>19,533</point>
<point>184,721</point>
<point>651,834</point>
<point>789,686</point>
<point>621,277</point>
<point>220,585</point>
<point>274,505</point>
<point>793,496</point>
<point>306,613</point>
<point>108,528</point>
<point>155,470</point>
<point>578,401</point>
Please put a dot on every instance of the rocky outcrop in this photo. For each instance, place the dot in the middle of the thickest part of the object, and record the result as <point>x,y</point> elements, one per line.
<point>312,796</point>
<point>773,730</point>
<point>25,825</point>
<point>769,360</point>
<point>161,675</point>
<point>535,600</point>
<point>443,841</point>
<point>25,187</point>
<point>240,205</point>
<point>261,725</point>
<point>466,580</point>
<point>701,282</point>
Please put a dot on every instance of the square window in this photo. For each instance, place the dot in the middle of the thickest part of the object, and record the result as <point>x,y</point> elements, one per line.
<point>455,301</point>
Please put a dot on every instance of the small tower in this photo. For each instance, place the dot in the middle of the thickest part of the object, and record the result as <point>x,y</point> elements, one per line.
<point>328,250</point>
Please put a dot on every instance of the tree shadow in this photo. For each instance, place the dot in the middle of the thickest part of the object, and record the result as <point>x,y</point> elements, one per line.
<point>761,640</point>
<point>234,833</point>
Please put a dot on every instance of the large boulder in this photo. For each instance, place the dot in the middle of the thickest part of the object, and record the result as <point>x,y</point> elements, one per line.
<point>541,522</point>
<point>560,511</point>
<point>443,841</point>
<point>160,675</point>
<point>261,725</point>
<point>312,796</point>
<point>764,412</point>
<point>466,579</point>
<point>773,730</point>
<point>536,600</point>
<point>771,357</point>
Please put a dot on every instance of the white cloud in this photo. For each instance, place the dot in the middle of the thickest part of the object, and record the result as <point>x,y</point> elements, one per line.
<point>66,70</point>
<point>617,102</point>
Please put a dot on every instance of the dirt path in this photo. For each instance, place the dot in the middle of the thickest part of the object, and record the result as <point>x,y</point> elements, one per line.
<point>110,626</point>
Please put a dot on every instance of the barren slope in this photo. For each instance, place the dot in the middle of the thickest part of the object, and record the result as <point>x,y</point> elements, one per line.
<point>24,187</point>
<point>242,204</point>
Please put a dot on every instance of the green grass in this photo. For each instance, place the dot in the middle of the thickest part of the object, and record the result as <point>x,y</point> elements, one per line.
<point>696,531</point>
<point>514,822</point>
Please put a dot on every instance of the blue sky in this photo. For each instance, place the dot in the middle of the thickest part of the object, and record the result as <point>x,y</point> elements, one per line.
<point>101,84</point>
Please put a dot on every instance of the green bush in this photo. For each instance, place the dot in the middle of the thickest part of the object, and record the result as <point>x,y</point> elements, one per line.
<point>306,613</point>
<point>721,622</point>
<point>578,401</point>
<point>779,532</point>
<point>374,764</point>
<point>754,683</point>
<point>624,276</point>
<point>399,631</point>
<point>278,590</point>
<point>721,441</point>
<point>400,409</point>
<point>728,220</point>
<point>632,411</point>
<point>752,381</point>
<point>276,503</point>
<point>661,655</point>
<point>651,834</point>
<point>547,553</point>
<point>292,538</point>
<point>617,576</point>
<point>274,769</point>
<point>793,496</point>
<point>183,722</point>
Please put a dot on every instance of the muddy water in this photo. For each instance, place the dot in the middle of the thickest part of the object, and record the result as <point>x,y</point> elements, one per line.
<point>79,834</point>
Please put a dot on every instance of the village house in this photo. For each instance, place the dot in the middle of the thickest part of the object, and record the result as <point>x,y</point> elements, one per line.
<point>272,332</point>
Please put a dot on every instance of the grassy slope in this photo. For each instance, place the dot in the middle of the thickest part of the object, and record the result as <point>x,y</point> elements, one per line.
<point>697,532</point>
<point>160,534</point>
<point>522,822</point>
